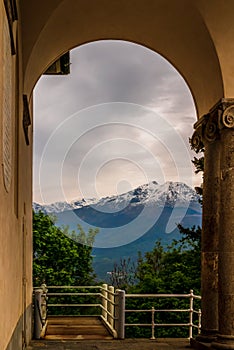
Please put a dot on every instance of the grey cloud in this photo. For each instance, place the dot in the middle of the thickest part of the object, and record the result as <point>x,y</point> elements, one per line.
<point>135,73</point>
<point>104,72</point>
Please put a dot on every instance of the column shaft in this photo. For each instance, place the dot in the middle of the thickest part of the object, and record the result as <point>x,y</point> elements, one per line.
<point>209,243</point>
<point>226,244</point>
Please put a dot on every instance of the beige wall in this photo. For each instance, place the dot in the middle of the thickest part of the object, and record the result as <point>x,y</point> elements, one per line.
<point>15,218</point>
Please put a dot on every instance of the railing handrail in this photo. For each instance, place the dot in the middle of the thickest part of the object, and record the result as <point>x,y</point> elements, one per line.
<point>189,310</point>
<point>159,310</point>
<point>162,296</point>
<point>72,287</point>
<point>112,306</point>
<point>107,303</point>
<point>74,294</point>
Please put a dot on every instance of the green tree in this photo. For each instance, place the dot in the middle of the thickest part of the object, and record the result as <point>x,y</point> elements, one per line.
<point>59,259</point>
<point>175,270</point>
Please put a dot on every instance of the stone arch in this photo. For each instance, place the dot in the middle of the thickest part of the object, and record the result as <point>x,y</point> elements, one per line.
<point>172,29</point>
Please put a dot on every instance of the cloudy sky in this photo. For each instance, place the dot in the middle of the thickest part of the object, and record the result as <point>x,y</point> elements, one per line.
<point>122,118</point>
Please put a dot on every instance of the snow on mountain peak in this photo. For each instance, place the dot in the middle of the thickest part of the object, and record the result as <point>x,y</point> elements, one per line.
<point>169,194</point>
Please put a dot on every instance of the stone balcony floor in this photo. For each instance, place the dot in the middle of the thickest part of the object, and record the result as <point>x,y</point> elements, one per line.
<point>127,344</point>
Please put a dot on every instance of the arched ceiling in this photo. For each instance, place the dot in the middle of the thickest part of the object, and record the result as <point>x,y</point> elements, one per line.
<point>218,16</point>
<point>184,33</point>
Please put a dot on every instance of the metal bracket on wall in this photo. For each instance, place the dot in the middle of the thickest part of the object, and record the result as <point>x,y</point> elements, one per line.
<point>26,119</point>
<point>12,15</point>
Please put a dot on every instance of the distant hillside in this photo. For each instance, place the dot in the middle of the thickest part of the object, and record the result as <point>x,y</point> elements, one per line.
<point>132,221</point>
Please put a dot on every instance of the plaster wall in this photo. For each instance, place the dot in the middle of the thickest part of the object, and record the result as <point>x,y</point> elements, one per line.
<point>15,199</point>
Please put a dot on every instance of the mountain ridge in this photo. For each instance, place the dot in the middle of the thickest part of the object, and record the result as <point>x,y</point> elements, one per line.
<point>130,222</point>
<point>169,193</point>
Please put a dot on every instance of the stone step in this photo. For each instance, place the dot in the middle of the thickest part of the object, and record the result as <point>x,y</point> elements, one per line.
<point>78,337</point>
<point>71,329</point>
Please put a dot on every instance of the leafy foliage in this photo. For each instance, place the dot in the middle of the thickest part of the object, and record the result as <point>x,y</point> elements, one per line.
<point>199,164</point>
<point>59,259</point>
<point>175,270</point>
<point>172,271</point>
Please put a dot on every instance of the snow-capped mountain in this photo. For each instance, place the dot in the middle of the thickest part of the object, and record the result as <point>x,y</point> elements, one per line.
<point>167,194</point>
<point>59,207</point>
<point>130,222</point>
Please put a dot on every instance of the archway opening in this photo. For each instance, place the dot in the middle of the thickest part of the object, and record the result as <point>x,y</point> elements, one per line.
<point>115,131</point>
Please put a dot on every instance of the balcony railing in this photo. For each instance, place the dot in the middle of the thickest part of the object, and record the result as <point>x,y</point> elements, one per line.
<point>190,310</point>
<point>109,304</point>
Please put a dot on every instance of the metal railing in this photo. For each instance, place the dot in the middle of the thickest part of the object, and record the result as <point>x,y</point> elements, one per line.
<point>110,304</point>
<point>107,304</point>
<point>190,310</point>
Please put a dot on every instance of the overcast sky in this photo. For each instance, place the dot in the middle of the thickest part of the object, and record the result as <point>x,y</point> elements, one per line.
<point>122,118</point>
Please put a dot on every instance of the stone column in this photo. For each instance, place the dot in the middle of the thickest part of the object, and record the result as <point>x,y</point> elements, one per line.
<point>225,338</point>
<point>207,134</point>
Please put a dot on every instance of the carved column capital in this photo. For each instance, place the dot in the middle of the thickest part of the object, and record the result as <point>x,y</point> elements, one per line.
<point>227,119</point>
<point>197,139</point>
<point>209,127</point>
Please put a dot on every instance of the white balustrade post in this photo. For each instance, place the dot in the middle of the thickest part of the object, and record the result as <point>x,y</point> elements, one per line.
<point>191,314</point>
<point>120,313</point>
<point>111,308</point>
<point>104,301</point>
<point>37,313</point>
<point>44,303</point>
<point>199,321</point>
<point>153,324</point>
